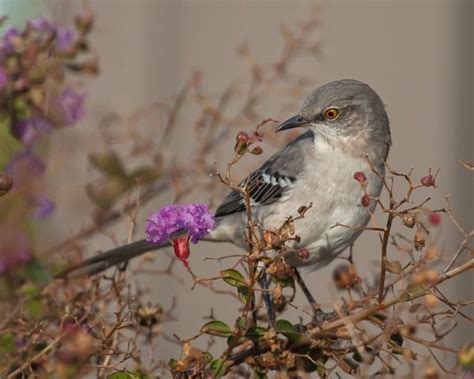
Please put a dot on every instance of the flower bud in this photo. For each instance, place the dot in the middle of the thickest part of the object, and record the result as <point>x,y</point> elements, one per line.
<point>360,177</point>
<point>6,184</point>
<point>181,249</point>
<point>242,137</point>
<point>241,142</point>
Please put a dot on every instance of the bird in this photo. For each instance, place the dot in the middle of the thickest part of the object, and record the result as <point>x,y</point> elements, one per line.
<point>346,130</point>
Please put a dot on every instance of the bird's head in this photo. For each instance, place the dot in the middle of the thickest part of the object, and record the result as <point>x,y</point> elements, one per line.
<point>343,110</point>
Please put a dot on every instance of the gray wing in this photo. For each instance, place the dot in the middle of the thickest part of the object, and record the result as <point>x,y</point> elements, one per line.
<point>273,179</point>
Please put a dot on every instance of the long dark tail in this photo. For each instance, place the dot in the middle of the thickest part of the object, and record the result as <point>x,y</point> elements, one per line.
<point>101,262</point>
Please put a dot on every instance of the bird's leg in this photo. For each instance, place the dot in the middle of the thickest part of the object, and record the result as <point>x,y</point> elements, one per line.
<point>264,283</point>
<point>318,314</point>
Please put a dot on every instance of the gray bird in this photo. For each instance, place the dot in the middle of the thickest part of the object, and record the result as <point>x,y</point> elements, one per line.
<point>346,126</point>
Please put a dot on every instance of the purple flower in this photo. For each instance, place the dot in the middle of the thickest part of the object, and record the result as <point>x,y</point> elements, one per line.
<point>7,44</point>
<point>28,130</point>
<point>195,219</point>
<point>64,38</point>
<point>25,131</point>
<point>43,208</point>
<point>71,103</point>
<point>25,164</point>
<point>41,24</point>
<point>10,34</point>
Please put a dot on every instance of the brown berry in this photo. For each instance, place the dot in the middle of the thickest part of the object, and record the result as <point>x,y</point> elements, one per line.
<point>365,200</point>
<point>242,137</point>
<point>360,177</point>
<point>241,142</point>
<point>428,181</point>
<point>6,184</point>
<point>257,150</point>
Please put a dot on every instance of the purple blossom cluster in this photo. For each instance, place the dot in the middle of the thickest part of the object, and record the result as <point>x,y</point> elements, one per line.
<point>34,100</point>
<point>194,219</point>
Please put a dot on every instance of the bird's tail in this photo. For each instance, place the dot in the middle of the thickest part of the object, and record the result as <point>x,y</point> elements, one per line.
<point>101,262</point>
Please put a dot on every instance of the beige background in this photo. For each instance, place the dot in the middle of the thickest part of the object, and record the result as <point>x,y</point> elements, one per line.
<point>416,54</point>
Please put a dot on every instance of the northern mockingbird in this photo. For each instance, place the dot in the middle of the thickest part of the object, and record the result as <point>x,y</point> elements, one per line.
<point>346,128</point>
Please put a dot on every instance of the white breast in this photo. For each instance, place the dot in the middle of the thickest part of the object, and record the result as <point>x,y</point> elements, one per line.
<point>328,184</point>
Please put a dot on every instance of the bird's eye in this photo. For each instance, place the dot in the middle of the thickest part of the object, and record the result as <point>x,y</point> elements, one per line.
<point>331,114</point>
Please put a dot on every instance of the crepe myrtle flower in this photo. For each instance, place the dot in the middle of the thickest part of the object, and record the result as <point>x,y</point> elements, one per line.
<point>43,207</point>
<point>71,103</point>
<point>65,38</point>
<point>41,24</point>
<point>28,130</point>
<point>179,224</point>
<point>25,163</point>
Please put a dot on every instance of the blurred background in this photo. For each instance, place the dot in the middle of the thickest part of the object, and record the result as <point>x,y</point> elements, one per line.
<point>417,55</point>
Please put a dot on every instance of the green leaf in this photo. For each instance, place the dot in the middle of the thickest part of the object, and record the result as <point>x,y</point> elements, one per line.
<point>218,368</point>
<point>255,332</point>
<point>413,290</point>
<point>7,342</point>
<point>243,293</point>
<point>241,323</point>
<point>235,340</point>
<point>36,272</point>
<point>233,278</point>
<point>107,162</point>
<point>288,330</point>
<point>217,328</point>
<point>144,174</point>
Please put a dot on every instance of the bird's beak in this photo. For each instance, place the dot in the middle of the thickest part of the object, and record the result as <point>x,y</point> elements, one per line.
<point>294,122</point>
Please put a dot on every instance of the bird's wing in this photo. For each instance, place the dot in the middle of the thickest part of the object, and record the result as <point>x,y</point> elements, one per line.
<point>273,179</point>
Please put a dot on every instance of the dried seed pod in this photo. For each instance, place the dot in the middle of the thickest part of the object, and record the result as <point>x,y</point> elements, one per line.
<point>6,184</point>
<point>409,220</point>
<point>431,373</point>
<point>420,240</point>
<point>149,315</point>
<point>365,200</point>
<point>431,300</point>
<point>345,276</point>
<point>360,177</point>
<point>428,181</point>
